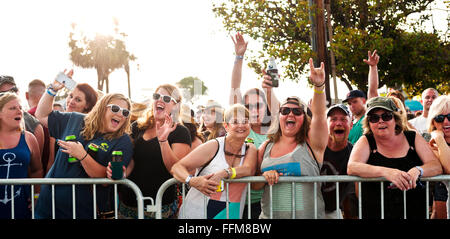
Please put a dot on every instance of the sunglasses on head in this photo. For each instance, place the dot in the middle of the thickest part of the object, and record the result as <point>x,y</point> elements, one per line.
<point>115,109</point>
<point>287,110</point>
<point>165,98</point>
<point>374,118</point>
<point>441,118</point>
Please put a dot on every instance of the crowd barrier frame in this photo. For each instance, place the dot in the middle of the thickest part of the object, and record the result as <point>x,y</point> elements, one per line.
<point>75,181</point>
<point>306,179</point>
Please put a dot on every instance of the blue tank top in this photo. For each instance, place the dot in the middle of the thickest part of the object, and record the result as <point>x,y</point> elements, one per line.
<point>14,164</point>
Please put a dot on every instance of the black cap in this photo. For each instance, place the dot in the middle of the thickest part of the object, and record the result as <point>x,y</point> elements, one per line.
<point>353,94</point>
<point>339,106</point>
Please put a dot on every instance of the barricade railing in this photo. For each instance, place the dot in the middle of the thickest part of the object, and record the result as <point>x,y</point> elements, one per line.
<point>74,182</point>
<point>305,179</point>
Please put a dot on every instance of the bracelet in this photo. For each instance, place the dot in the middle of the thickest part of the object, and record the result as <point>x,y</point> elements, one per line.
<point>233,174</point>
<point>320,85</point>
<point>228,172</point>
<point>51,93</point>
<point>420,170</point>
<point>161,141</point>
<point>83,157</point>
<point>239,57</point>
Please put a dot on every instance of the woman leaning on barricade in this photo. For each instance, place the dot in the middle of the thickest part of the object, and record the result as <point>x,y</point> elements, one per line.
<point>226,157</point>
<point>20,158</point>
<point>389,150</point>
<point>106,126</point>
<point>295,148</point>
<point>159,142</point>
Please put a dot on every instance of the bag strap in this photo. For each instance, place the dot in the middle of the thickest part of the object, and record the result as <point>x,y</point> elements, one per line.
<point>314,156</point>
<point>204,166</point>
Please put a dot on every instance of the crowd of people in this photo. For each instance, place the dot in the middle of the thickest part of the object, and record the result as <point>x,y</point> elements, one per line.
<point>256,135</point>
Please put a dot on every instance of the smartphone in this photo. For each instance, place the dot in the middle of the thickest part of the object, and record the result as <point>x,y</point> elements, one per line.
<point>69,83</point>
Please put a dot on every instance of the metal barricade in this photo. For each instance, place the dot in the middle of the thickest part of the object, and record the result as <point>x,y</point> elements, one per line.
<point>73,182</point>
<point>306,179</point>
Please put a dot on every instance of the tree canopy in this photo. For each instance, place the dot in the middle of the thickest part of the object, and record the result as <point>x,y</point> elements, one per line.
<point>193,87</point>
<point>105,53</point>
<point>410,58</point>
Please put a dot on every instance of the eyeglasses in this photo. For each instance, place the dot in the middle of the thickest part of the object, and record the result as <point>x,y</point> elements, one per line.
<point>441,118</point>
<point>287,110</point>
<point>374,118</point>
<point>257,106</point>
<point>115,109</point>
<point>235,121</point>
<point>165,98</point>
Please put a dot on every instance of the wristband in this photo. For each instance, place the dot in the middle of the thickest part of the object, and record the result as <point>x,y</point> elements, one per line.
<point>161,141</point>
<point>51,93</point>
<point>318,92</point>
<point>239,57</point>
<point>233,173</point>
<point>83,157</point>
<point>320,84</point>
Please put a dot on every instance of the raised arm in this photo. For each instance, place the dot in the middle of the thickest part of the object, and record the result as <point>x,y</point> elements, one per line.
<point>318,132</point>
<point>45,105</point>
<point>372,61</point>
<point>240,46</point>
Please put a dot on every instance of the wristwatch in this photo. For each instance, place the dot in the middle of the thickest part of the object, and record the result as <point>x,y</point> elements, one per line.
<point>420,170</point>
<point>188,179</point>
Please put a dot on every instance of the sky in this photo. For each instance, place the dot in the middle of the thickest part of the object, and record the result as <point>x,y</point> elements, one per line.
<point>171,39</point>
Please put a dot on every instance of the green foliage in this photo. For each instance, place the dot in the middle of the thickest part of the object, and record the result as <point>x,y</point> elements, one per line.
<point>413,60</point>
<point>193,86</point>
<point>105,53</point>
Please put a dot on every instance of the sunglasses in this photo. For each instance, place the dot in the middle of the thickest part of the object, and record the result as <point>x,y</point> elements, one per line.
<point>287,110</point>
<point>374,118</point>
<point>165,98</point>
<point>115,109</point>
<point>232,154</point>
<point>441,118</point>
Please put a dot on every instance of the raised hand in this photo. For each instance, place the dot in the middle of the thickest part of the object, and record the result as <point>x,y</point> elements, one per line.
<point>372,58</point>
<point>240,45</point>
<point>316,75</point>
<point>163,130</point>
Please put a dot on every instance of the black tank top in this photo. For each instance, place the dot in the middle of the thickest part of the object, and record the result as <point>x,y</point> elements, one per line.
<point>393,198</point>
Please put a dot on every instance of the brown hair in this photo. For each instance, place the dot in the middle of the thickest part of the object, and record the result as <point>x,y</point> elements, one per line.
<point>90,95</point>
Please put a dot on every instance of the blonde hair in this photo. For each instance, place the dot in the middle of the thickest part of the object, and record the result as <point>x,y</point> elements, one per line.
<point>5,98</point>
<point>147,119</point>
<point>234,111</point>
<point>439,105</point>
<point>404,116</point>
<point>93,122</point>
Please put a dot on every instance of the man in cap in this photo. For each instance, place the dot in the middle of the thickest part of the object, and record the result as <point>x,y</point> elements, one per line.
<point>335,162</point>
<point>7,84</point>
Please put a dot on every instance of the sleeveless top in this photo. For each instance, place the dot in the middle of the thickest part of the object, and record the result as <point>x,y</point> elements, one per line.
<point>393,198</point>
<point>14,164</point>
<point>196,203</point>
<point>296,163</point>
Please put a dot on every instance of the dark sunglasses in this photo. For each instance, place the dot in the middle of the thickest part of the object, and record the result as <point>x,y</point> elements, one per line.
<point>374,118</point>
<point>287,110</point>
<point>165,98</point>
<point>441,118</point>
<point>116,109</point>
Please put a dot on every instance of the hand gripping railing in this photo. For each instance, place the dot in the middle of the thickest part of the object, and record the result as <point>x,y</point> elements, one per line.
<point>306,179</point>
<point>75,181</point>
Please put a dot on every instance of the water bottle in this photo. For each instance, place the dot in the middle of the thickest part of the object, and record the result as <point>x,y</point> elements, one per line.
<point>117,165</point>
<point>273,72</point>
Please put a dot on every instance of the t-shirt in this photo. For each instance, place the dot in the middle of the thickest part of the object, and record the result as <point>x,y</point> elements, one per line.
<point>62,124</point>
<point>14,163</point>
<point>258,139</point>
<point>296,163</point>
<point>335,163</point>
<point>356,132</point>
<point>420,123</point>
<point>149,171</point>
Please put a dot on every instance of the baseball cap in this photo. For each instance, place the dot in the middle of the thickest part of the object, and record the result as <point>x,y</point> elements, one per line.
<point>381,103</point>
<point>338,106</point>
<point>7,79</point>
<point>353,94</point>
